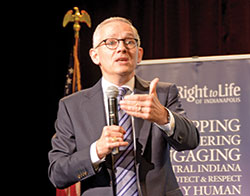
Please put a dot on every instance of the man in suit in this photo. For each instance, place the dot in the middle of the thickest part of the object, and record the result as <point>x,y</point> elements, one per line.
<point>82,147</point>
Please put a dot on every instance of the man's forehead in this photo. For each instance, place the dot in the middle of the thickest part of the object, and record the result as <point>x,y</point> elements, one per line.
<point>117,27</point>
<point>124,34</point>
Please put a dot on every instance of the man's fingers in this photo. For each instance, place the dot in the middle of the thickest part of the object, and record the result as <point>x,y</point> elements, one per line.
<point>135,97</point>
<point>152,87</point>
<point>112,137</point>
<point>117,144</point>
<point>114,129</point>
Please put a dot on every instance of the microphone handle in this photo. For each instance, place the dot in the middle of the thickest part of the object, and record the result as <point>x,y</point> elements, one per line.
<point>113,117</point>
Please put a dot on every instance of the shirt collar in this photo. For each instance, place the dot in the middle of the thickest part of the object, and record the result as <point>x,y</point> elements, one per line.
<point>130,84</point>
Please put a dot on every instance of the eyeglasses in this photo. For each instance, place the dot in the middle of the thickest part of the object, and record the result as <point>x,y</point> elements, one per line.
<point>112,43</point>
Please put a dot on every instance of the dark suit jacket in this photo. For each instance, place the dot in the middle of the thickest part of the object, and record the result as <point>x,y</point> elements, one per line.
<point>81,118</point>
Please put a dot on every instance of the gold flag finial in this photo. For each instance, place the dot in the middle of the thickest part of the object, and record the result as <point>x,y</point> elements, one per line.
<point>76,18</point>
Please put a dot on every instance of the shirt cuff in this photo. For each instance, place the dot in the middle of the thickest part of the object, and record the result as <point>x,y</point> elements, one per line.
<point>169,127</point>
<point>94,157</point>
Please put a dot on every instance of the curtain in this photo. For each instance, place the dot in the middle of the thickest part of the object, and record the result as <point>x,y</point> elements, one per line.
<point>174,28</point>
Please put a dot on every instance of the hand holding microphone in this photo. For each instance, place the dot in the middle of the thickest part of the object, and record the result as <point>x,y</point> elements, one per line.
<point>112,135</point>
<point>112,93</point>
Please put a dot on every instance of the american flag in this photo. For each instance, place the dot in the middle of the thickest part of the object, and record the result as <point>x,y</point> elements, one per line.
<point>69,77</point>
<point>73,77</point>
<point>73,190</point>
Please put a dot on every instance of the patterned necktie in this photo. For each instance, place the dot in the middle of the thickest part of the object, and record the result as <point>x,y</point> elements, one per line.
<point>124,160</point>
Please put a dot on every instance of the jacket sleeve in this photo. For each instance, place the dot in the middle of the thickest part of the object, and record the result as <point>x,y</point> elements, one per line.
<point>186,136</point>
<point>67,166</point>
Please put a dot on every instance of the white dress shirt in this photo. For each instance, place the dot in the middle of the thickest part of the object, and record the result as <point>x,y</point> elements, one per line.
<point>167,128</point>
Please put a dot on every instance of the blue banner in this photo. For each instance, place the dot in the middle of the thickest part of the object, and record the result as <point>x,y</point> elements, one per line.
<point>215,92</point>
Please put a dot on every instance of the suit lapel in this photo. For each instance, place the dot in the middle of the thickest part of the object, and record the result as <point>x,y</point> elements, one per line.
<point>94,106</point>
<point>142,127</point>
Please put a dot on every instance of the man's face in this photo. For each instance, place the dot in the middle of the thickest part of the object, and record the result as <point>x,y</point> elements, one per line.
<point>119,62</point>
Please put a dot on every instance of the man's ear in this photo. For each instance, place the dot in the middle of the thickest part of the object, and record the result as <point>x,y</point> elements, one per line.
<point>140,55</point>
<point>94,56</point>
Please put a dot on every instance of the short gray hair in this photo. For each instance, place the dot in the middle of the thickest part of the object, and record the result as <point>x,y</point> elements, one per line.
<point>112,19</point>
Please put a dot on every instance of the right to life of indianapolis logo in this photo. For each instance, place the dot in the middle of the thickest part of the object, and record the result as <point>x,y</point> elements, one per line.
<point>222,93</point>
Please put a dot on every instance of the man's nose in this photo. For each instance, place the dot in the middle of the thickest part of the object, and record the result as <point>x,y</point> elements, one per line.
<point>121,47</point>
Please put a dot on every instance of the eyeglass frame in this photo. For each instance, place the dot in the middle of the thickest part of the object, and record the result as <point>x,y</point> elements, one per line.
<point>118,42</point>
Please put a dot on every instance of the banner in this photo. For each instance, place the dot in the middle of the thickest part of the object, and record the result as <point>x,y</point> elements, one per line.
<point>215,92</point>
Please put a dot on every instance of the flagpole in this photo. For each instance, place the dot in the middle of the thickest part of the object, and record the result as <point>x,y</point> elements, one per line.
<point>76,18</point>
<point>76,74</point>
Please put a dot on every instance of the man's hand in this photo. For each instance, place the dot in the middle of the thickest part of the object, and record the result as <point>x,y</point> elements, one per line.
<point>112,137</point>
<point>146,106</point>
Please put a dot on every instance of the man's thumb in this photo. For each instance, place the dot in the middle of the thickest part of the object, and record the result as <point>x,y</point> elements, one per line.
<point>152,87</point>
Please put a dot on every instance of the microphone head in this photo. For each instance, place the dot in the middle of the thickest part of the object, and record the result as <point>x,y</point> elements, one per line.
<point>112,91</point>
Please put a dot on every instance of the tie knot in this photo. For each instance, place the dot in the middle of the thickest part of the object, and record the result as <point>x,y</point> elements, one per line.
<point>123,91</point>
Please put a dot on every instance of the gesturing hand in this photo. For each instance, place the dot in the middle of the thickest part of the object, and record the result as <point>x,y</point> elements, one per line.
<point>146,106</point>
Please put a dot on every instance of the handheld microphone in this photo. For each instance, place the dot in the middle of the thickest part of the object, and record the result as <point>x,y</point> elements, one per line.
<point>112,93</point>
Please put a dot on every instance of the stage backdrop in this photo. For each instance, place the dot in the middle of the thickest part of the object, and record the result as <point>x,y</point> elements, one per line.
<point>215,92</point>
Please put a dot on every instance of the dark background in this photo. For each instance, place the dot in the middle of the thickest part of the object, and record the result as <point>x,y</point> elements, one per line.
<point>168,29</point>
